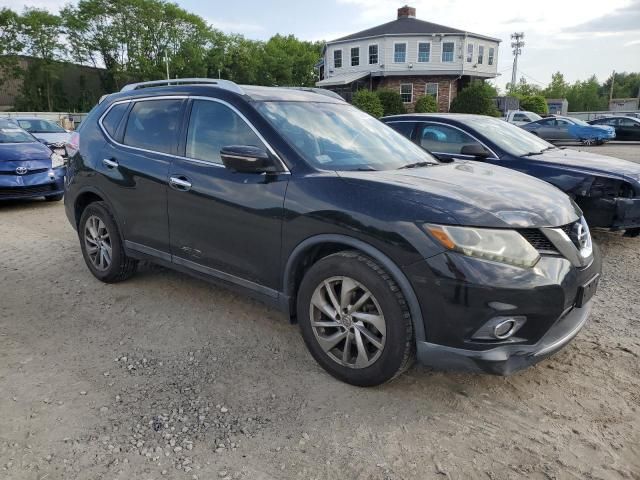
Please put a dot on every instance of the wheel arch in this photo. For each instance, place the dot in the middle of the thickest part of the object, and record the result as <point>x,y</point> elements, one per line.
<point>314,248</point>
<point>86,197</point>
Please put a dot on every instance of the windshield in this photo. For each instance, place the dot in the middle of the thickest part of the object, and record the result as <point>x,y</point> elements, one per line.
<point>333,136</point>
<point>40,126</point>
<point>577,121</point>
<point>508,137</point>
<point>11,133</point>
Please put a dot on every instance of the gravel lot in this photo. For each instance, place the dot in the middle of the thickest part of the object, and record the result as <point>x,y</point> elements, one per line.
<point>166,376</point>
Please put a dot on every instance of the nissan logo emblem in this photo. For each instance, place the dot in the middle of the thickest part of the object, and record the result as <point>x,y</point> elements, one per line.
<point>21,170</point>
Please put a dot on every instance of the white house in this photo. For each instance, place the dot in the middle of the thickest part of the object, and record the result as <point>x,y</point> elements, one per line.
<point>411,56</point>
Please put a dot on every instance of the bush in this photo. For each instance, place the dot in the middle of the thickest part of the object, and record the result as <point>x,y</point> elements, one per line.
<point>426,104</point>
<point>368,102</point>
<point>534,103</point>
<point>476,98</point>
<point>391,102</point>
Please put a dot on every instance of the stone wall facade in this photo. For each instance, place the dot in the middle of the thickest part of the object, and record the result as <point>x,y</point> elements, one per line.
<point>447,88</point>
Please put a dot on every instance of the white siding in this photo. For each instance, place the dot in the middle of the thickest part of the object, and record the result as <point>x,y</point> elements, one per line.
<point>435,64</point>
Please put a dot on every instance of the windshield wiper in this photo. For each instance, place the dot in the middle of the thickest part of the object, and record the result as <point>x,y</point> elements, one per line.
<point>416,165</point>
<point>362,169</point>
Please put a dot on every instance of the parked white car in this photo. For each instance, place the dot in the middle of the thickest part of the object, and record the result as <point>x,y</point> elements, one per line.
<point>51,134</point>
<point>521,117</point>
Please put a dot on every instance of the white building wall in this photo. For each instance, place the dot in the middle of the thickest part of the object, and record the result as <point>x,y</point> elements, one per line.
<point>435,64</point>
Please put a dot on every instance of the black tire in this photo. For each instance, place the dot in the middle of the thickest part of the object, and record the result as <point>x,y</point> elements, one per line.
<point>398,352</point>
<point>121,267</point>
<point>54,198</point>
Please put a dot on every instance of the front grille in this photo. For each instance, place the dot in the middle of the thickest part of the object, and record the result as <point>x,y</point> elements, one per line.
<point>29,172</point>
<point>26,191</point>
<point>538,239</point>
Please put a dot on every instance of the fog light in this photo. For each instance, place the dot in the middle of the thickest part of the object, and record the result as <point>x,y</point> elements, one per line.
<point>500,328</point>
<point>504,329</point>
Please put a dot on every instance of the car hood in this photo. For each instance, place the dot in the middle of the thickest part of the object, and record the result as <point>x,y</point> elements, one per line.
<point>62,137</point>
<point>476,194</point>
<point>10,152</point>
<point>591,162</point>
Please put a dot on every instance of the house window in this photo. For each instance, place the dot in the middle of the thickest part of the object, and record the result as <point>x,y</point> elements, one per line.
<point>355,56</point>
<point>424,51</point>
<point>447,51</point>
<point>400,52</point>
<point>469,52</point>
<point>406,92</point>
<point>337,58</point>
<point>480,54</point>
<point>431,89</point>
<point>373,54</point>
<point>491,53</point>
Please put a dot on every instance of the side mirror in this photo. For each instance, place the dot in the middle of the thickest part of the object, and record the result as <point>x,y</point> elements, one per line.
<point>475,150</point>
<point>247,159</point>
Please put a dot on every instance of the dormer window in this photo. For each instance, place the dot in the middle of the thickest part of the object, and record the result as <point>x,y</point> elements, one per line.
<point>337,59</point>
<point>355,56</point>
<point>400,53</point>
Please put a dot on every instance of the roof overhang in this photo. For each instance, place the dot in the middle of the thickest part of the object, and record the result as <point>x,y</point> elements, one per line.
<point>422,35</point>
<point>432,73</point>
<point>343,79</point>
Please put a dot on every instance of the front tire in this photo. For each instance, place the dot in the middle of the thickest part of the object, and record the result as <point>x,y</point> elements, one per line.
<point>355,320</point>
<point>102,247</point>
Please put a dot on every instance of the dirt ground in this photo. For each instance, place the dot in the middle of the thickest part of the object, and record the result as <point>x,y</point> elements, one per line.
<point>166,376</point>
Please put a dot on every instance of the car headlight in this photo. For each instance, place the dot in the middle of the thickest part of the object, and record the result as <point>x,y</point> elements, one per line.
<point>56,160</point>
<point>506,246</point>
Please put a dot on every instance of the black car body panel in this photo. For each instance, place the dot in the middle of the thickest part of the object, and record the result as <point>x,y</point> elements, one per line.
<point>627,128</point>
<point>607,189</point>
<point>260,232</point>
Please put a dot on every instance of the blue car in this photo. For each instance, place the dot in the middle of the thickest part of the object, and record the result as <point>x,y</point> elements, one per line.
<point>559,129</point>
<point>28,168</point>
<point>607,189</point>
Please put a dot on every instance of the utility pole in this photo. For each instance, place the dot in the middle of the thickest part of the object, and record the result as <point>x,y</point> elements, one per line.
<point>517,45</point>
<point>613,80</point>
<point>166,62</point>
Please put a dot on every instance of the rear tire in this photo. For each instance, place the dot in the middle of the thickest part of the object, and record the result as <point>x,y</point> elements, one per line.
<point>368,339</point>
<point>54,198</point>
<point>102,246</point>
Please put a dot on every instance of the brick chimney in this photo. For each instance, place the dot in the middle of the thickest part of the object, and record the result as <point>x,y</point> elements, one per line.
<point>406,12</point>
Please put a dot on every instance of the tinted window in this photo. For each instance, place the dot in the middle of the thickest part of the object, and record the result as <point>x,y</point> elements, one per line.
<point>405,128</point>
<point>153,125</point>
<point>112,120</point>
<point>212,126</point>
<point>443,139</point>
<point>547,122</point>
<point>626,122</point>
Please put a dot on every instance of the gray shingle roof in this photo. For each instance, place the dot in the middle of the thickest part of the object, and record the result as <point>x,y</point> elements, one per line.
<point>402,26</point>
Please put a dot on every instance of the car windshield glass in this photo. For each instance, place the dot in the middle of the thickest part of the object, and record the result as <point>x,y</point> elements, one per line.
<point>510,138</point>
<point>333,136</point>
<point>11,133</point>
<point>577,121</point>
<point>36,125</point>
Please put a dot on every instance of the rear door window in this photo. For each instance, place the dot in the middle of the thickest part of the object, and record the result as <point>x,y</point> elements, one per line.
<point>404,128</point>
<point>153,125</point>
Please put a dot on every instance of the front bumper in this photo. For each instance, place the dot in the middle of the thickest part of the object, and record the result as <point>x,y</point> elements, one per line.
<point>460,295</point>
<point>41,184</point>
<point>506,359</point>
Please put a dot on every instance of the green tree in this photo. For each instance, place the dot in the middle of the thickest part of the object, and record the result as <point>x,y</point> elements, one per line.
<point>523,89</point>
<point>585,96</point>
<point>369,102</point>
<point>558,88</point>
<point>10,44</point>
<point>426,104</point>
<point>534,103</point>
<point>391,101</point>
<point>476,98</point>
<point>40,33</point>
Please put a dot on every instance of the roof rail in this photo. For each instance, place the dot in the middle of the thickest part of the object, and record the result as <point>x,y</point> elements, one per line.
<point>225,84</point>
<point>319,91</point>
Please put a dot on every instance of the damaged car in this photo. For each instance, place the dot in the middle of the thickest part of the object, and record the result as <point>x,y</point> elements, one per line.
<point>567,129</point>
<point>607,189</point>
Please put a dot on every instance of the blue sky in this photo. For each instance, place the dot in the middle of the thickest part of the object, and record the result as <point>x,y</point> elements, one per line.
<point>577,37</point>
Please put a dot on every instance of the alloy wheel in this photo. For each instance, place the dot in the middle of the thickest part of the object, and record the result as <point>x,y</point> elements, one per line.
<point>97,242</point>
<point>347,322</point>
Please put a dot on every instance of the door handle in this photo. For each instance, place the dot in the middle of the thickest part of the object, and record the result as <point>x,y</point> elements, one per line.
<point>180,183</point>
<point>109,163</point>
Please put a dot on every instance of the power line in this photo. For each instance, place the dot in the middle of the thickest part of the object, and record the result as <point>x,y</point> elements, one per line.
<point>531,78</point>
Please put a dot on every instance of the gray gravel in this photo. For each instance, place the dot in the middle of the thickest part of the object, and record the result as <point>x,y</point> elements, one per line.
<point>166,376</point>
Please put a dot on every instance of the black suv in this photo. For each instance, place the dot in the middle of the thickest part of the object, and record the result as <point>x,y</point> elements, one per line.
<point>378,250</point>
